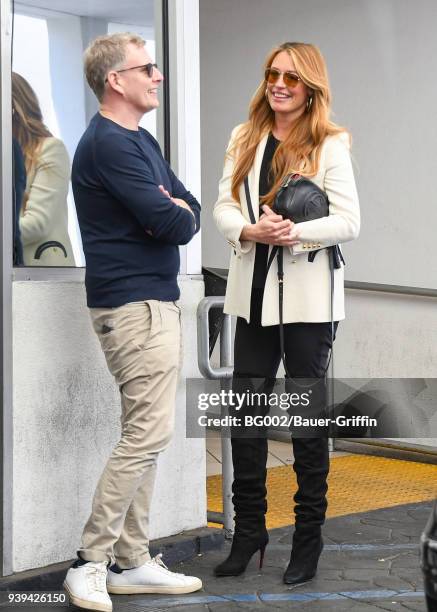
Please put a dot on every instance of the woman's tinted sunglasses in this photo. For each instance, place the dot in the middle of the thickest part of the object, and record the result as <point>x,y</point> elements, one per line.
<point>291,79</point>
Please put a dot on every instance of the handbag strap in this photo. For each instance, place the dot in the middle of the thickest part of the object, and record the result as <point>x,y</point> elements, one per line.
<point>279,251</point>
<point>336,252</point>
<point>249,201</point>
<point>47,245</point>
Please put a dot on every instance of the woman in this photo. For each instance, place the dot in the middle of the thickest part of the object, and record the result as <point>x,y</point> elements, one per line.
<point>288,130</point>
<point>44,213</point>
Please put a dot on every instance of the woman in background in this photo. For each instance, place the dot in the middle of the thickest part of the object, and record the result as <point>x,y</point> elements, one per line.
<point>288,131</point>
<point>44,212</point>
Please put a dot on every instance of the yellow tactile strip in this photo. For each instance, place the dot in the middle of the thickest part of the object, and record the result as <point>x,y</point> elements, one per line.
<point>357,483</point>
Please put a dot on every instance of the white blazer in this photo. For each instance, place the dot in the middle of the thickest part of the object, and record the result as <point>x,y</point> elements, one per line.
<point>306,284</point>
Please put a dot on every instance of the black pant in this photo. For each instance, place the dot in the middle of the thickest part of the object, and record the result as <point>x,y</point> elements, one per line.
<point>257,355</point>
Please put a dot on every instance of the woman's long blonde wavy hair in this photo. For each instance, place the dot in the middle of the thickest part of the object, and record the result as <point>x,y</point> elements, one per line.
<point>300,151</point>
<point>27,122</point>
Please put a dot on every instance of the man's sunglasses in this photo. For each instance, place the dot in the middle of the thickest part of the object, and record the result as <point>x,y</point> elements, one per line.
<point>291,79</point>
<point>147,68</point>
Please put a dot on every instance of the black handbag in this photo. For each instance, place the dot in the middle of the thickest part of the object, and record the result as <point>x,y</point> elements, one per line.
<point>299,199</point>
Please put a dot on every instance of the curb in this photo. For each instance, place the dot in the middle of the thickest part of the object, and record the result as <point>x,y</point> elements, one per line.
<point>180,547</point>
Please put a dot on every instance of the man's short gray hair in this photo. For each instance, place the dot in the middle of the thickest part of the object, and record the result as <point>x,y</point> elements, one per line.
<point>107,53</point>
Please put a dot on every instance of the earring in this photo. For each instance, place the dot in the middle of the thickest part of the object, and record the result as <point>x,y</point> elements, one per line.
<point>266,93</point>
<point>309,103</point>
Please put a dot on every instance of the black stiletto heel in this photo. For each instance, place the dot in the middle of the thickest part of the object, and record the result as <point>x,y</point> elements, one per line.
<point>261,556</point>
<point>243,549</point>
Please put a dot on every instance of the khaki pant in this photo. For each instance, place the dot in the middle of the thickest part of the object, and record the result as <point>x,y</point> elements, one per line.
<point>142,346</point>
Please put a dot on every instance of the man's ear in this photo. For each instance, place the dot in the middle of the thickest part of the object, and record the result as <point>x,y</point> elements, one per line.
<point>113,81</point>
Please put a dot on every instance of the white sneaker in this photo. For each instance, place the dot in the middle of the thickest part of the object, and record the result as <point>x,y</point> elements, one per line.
<point>86,586</point>
<point>151,577</point>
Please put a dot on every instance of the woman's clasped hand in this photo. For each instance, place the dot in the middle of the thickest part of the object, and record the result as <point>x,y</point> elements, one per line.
<point>272,229</point>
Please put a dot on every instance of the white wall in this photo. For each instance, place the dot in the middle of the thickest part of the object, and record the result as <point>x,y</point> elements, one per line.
<point>389,336</point>
<point>66,421</point>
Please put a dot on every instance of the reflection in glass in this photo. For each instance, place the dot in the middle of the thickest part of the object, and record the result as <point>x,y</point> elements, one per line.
<point>19,187</point>
<point>43,221</point>
<point>49,38</point>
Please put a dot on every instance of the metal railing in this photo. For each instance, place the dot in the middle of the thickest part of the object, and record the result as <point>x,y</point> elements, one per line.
<point>223,373</point>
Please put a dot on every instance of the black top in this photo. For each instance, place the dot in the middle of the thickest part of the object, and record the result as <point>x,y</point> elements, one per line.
<point>265,184</point>
<point>131,232</point>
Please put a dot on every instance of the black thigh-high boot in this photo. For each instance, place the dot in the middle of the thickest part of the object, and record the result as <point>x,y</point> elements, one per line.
<point>311,465</point>
<point>249,458</point>
<point>307,347</point>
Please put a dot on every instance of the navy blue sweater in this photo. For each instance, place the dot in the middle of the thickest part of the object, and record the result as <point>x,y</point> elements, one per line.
<point>130,230</point>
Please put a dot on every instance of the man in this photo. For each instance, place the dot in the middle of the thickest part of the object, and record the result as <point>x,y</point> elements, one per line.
<point>133,214</point>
